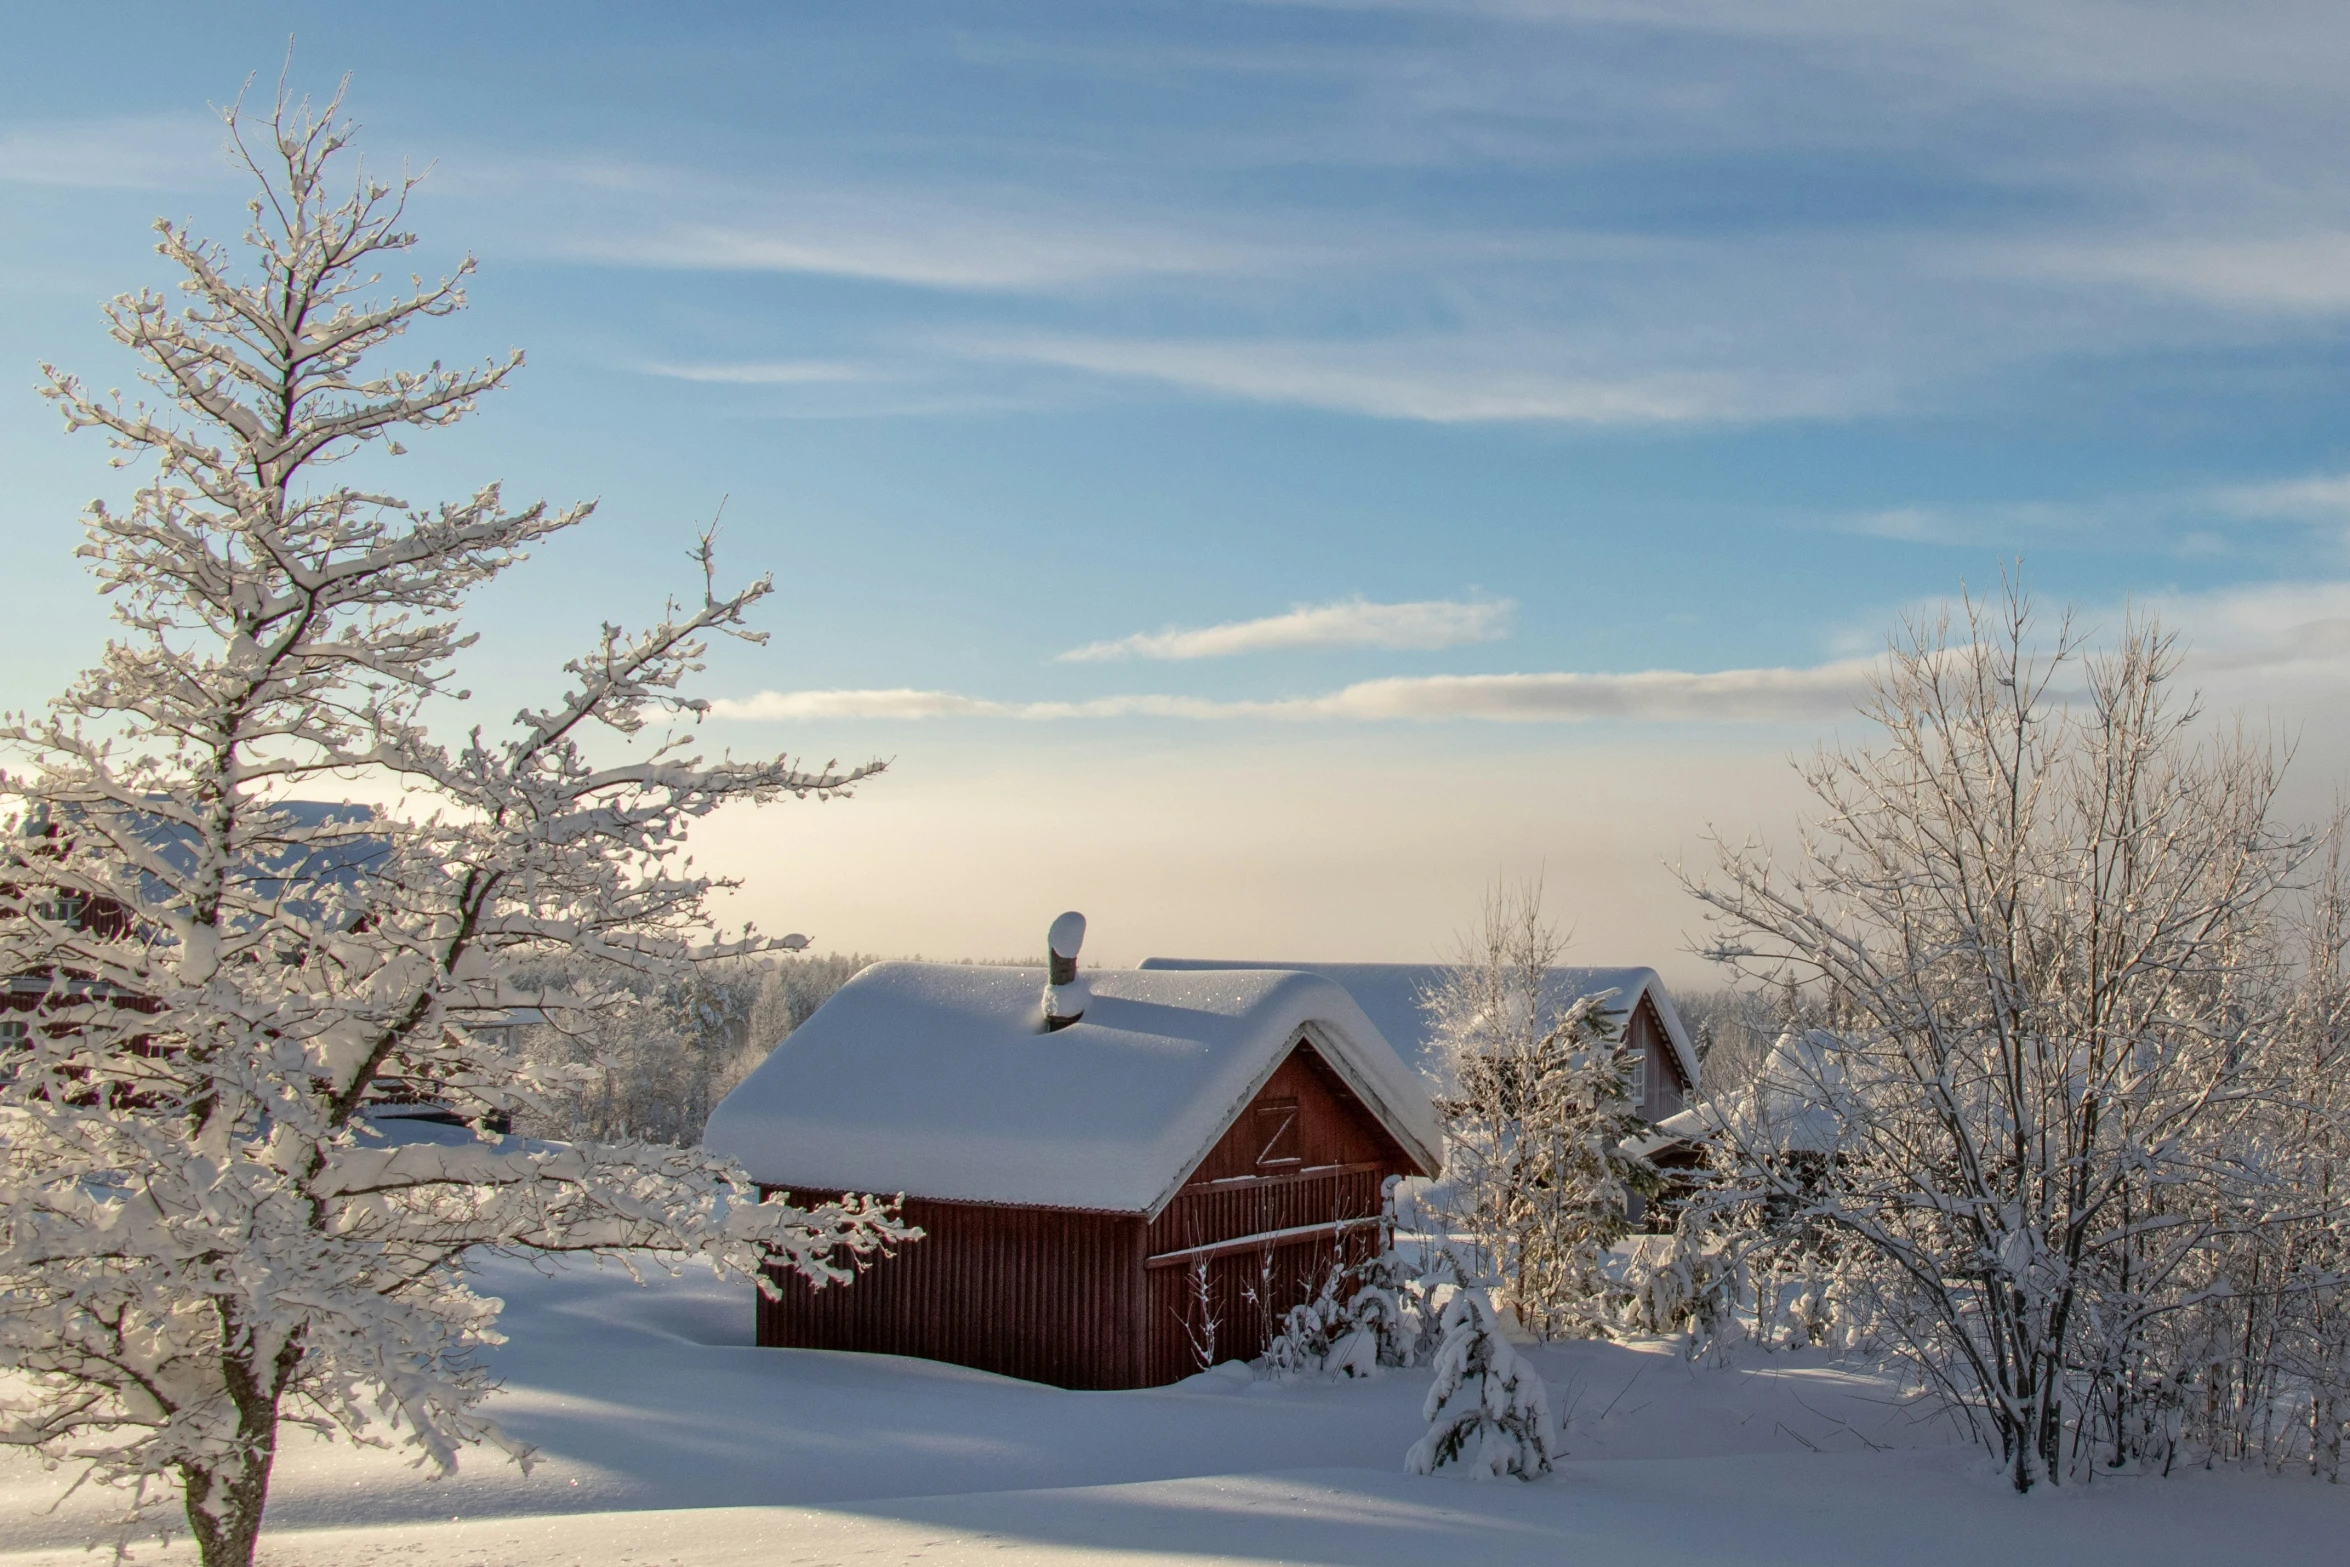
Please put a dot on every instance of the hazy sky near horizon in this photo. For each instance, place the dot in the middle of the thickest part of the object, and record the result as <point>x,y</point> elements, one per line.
<point>1260,470</point>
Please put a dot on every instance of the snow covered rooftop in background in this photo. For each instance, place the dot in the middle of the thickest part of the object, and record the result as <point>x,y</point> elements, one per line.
<point>1389,993</point>
<point>1796,1103</point>
<point>938,1080</point>
<point>309,863</point>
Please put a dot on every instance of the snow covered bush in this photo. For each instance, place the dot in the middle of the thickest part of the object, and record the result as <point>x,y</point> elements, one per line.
<point>1536,1100</point>
<point>1684,1283</point>
<point>2075,1131</point>
<point>204,1235</point>
<point>1488,1410</point>
<point>1366,1317</point>
<point>1754,1260</point>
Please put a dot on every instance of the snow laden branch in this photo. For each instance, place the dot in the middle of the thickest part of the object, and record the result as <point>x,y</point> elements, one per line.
<point>1536,1099</point>
<point>2061,1133</point>
<point>210,1225</point>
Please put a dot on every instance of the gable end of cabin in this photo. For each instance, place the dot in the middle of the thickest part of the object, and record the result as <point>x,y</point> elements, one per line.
<point>1295,1184</point>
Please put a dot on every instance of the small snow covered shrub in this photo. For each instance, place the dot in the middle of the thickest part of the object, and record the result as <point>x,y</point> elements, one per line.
<point>1366,1317</point>
<point>1683,1283</point>
<point>1488,1410</point>
<point>1301,1345</point>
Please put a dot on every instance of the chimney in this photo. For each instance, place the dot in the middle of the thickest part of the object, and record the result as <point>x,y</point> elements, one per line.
<point>1064,992</point>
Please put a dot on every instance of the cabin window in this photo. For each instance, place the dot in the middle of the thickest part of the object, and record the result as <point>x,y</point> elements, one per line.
<point>1273,1128</point>
<point>15,1033</point>
<point>1636,1078</point>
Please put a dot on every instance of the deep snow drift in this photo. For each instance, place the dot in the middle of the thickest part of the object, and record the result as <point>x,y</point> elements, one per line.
<point>667,1437</point>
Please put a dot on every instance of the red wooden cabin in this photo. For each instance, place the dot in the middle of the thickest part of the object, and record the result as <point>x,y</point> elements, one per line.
<point>1114,1203</point>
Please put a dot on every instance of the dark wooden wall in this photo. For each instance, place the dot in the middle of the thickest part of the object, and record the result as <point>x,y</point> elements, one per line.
<point>1244,1286</point>
<point>1323,1170</point>
<point>1044,1294</point>
<point>1099,1300</point>
<point>1668,1086</point>
<point>1333,1126</point>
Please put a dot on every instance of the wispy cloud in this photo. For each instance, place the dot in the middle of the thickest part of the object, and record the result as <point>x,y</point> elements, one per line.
<point>2250,643</point>
<point>2255,636</point>
<point>928,243</point>
<point>2016,522</point>
<point>2185,518</point>
<point>1439,381</point>
<point>2322,498</point>
<point>2295,273</point>
<point>907,702</point>
<point>770,372</point>
<point>1656,696</point>
<point>1421,626</point>
<point>153,152</point>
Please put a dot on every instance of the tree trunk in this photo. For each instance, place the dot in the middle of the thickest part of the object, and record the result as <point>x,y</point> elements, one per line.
<point>225,1501</point>
<point>226,1497</point>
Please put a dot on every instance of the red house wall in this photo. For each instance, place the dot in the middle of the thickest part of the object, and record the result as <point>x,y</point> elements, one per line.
<point>1342,1156</point>
<point>1044,1294</point>
<point>1100,1300</point>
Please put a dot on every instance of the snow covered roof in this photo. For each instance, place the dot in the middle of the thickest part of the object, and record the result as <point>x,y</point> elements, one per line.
<point>1795,1104</point>
<point>938,1080</point>
<point>316,872</point>
<point>1389,993</point>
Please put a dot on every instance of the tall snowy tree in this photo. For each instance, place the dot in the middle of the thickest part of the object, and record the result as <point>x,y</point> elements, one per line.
<point>2070,1041</point>
<point>1537,1108</point>
<point>203,1235</point>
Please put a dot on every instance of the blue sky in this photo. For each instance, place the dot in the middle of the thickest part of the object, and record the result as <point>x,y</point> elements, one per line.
<point>1610,338</point>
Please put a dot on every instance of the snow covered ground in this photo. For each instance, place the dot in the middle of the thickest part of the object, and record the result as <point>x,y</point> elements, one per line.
<point>668,1438</point>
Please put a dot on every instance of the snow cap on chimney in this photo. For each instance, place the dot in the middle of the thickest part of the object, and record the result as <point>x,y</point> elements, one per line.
<point>1064,992</point>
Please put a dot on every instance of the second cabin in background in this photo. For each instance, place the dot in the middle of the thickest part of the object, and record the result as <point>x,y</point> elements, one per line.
<point>1121,1176</point>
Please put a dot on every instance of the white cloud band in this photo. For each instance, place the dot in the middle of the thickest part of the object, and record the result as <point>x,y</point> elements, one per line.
<point>1436,380</point>
<point>1421,627</point>
<point>1654,696</point>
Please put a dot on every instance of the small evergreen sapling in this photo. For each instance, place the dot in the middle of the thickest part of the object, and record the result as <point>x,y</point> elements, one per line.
<point>1487,1410</point>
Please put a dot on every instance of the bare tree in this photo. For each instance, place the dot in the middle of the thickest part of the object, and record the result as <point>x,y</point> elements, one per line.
<point>2048,938</point>
<point>203,1234</point>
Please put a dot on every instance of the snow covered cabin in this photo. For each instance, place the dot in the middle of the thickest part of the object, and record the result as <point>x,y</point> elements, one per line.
<point>1664,1057</point>
<point>1120,1177</point>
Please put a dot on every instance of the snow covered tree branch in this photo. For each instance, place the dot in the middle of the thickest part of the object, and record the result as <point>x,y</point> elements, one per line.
<point>1537,1108</point>
<point>204,1232</point>
<point>2062,1108</point>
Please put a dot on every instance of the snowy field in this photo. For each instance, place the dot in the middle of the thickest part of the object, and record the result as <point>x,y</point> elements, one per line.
<point>668,1438</point>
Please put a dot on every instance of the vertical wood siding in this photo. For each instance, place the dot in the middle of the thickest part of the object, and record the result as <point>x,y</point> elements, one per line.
<point>1075,1299</point>
<point>1044,1294</point>
<point>1668,1086</point>
<point>1245,1292</point>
